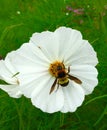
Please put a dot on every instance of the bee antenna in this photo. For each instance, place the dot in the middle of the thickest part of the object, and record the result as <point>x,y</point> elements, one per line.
<point>63,61</point>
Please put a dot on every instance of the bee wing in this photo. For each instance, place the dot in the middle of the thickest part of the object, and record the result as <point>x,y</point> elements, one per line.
<point>53,86</point>
<point>78,81</point>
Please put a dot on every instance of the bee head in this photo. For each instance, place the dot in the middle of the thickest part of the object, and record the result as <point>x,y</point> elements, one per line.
<point>61,74</point>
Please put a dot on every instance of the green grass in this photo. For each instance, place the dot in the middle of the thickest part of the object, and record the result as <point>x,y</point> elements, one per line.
<point>40,15</point>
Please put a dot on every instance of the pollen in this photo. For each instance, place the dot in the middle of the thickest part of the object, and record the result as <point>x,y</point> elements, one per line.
<point>55,67</point>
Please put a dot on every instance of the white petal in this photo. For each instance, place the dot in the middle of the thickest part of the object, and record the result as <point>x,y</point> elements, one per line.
<point>87,74</point>
<point>12,90</point>
<point>56,44</point>
<point>48,43</point>
<point>29,59</point>
<point>48,102</point>
<point>85,54</point>
<point>73,97</point>
<point>9,64</point>
<point>6,74</point>
<point>4,70</point>
<point>29,83</point>
<point>69,41</point>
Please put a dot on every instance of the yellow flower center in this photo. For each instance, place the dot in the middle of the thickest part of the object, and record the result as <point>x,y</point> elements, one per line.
<point>61,74</point>
<point>57,67</point>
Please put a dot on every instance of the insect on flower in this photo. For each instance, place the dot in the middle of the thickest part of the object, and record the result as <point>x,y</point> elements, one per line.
<point>58,70</point>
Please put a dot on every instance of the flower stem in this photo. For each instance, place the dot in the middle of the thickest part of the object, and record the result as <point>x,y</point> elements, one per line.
<point>62,119</point>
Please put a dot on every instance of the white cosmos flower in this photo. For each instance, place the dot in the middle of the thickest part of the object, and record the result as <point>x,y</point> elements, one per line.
<point>9,75</point>
<point>57,69</point>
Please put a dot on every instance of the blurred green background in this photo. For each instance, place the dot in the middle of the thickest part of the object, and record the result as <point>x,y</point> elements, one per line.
<point>18,20</point>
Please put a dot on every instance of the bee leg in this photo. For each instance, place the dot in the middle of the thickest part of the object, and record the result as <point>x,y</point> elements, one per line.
<point>53,86</point>
<point>68,69</point>
<point>57,86</point>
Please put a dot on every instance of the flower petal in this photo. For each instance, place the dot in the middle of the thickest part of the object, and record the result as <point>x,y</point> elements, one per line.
<point>27,61</point>
<point>85,54</point>
<point>87,74</point>
<point>69,40</point>
<point>57,44</point>
<point>6,73</point>
<point>47,42</point>
<point>48,102</point>
<point>9,65</point>
<point>29,83</point>
<point>73,97</point>
<point>12,90</point>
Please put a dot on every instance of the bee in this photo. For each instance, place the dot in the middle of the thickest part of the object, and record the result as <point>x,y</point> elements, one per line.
<point>62,77</point>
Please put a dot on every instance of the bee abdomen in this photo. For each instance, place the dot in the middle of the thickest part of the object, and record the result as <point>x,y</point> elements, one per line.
<point>64,84</point>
